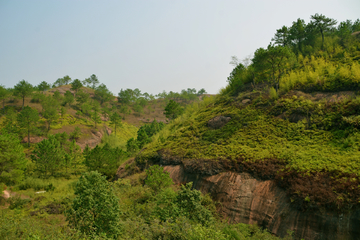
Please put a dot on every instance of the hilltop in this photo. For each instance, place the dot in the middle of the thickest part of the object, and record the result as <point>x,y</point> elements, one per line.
<point>290,120</point>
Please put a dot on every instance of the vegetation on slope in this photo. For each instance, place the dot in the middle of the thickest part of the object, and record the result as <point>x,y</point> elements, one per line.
<point>309,145</point>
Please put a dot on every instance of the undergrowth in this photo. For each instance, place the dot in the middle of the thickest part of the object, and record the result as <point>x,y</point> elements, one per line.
<point>305,136</point>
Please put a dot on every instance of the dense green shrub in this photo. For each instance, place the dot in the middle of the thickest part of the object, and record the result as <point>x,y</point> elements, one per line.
<point>95,208</point>
<point>105,160</point>
<point>157,178</point>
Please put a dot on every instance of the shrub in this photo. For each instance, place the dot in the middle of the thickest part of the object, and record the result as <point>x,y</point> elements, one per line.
<point>95,209</point>
<point>273,93</point>
<point>157,179</point>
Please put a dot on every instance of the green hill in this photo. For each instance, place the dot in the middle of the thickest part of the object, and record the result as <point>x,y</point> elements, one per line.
<point>291,115</point>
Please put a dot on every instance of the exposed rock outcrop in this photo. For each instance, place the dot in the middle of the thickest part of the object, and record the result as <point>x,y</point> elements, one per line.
<point>95,138</point>
<point>247,199</point>
<point>218,122</point>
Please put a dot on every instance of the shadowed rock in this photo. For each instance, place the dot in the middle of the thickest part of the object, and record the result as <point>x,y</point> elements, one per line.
<point>218,122</point>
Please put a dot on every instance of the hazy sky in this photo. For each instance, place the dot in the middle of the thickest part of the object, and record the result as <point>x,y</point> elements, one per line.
<point>153,45</point>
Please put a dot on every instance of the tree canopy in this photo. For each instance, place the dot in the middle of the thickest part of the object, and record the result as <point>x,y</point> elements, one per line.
<point>12,159</point>
<point>95,209</point>
<point>23,89</point>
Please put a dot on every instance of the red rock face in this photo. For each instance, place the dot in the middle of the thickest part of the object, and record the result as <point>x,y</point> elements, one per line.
<point>248,200</point>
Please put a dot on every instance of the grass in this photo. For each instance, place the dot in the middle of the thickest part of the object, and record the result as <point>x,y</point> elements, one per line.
<point>324,143</point>
<point>123,134</point>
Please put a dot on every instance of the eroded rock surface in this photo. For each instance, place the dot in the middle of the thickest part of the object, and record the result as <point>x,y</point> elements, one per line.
<point>218,122</point>
<point>248,200</point>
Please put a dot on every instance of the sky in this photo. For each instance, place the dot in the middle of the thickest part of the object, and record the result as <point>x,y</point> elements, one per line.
<point>153,45</point>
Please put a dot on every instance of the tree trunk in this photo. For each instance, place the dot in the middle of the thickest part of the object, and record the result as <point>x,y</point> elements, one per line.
<point>28,137</point>
<point>23,103</point>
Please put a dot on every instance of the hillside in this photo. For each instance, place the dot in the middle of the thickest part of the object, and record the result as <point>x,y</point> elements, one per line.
<point>280,145</point>
<point>274,154</point>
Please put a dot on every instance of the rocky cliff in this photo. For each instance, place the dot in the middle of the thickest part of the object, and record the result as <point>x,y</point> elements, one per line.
<point>246,199</point>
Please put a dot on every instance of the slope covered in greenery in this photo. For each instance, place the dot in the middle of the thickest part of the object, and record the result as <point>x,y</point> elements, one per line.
<point>289,120</point>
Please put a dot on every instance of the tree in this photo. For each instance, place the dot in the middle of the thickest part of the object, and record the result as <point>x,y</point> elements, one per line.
<point>76,85</point>
<point>4,93</point>
<point>189,202</point>
<point>68,98</point>
<point>201,92</point>
<point>103,94</point>
<point>57,96</point>
<point>82,97</point>
<point>66,79</point>
<point>10,122</point>
<point>62,111</point>
<point>125,96</point>
<point>12,159</point>
<point>297,33</point>
<point>50,110</point>
<point>23,89</point>
<point>116,120</point>
<point>105,160</point>
<point>236,78</point>
<point>76,156</point>
<point>95,208</point>
<point>323,24</point>
<point>271,63</point>
<point>94,81</point>
<point>27,119</point>
<point>132,146</point>
<point>173,110</point>
<point>43,86</point>
<point>282,36</point>
<point>138,109</point>
<point>48,156</point>
<point>95,112</point>
<point>157,178</point>
<point>142,138</point>
<point>124,109</point>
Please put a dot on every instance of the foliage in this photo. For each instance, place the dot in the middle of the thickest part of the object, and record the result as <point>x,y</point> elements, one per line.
<point>115,120</point>
<point>62,81</point>
<point>271,63</point>
<point>95,208</point>
<point>43,86</point>
<point>68,98</point>
<point>105,160</point>
<point>157,179</point>
<point>189,202</point>
<point>4,94</point>
<point>132,146</point>
<point>48,156</point>
<point>76,85</point>
<point>23,89</point>
<point>50,110</point>
<point>95,107</point>
<point>82,97</point>
<point>75,135</point>
<point>27,119</point>
<point>173,110</point>
<point>103,94</point>
<point>91,82</point>
<point>12,159</point>
<point>21,226</point>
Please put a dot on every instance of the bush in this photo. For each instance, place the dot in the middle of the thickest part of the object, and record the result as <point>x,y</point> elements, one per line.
<point>157,179</point>
<point>75,135</point>
<point>34,183</point>
<point>273,93</point>
<point>104,159</point>
<point>17,202</point>
<point>95,209</point>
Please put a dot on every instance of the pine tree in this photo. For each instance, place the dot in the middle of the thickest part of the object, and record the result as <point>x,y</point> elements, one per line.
<point>27,119</point>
